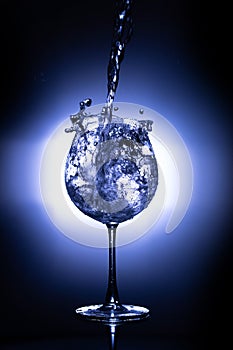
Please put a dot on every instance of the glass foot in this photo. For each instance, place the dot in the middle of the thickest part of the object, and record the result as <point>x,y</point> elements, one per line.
<point>113,313</point>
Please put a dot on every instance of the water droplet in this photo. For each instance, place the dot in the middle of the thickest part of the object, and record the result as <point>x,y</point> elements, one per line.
<point>116,108</point>
<point>141,111</point>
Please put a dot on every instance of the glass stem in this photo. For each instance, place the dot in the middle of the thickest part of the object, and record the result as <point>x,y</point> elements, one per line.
<point>112,291</point>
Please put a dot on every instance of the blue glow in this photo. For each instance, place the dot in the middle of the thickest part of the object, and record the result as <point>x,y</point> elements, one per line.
<point>193,107</point>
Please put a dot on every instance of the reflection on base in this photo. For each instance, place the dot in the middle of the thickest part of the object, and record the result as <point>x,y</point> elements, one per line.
<point>113,314</point>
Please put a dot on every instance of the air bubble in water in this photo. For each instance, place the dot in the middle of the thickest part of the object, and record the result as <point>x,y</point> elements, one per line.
<point>111,171</point>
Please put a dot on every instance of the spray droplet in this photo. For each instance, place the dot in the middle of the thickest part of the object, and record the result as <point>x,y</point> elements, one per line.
<point>116,108</point>
<point>141,111</point>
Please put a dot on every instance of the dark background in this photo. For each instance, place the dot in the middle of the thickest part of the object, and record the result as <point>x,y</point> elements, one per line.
<point>180,52</point>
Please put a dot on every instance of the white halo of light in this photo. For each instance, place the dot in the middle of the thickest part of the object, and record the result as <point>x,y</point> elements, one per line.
<point>171,199</point>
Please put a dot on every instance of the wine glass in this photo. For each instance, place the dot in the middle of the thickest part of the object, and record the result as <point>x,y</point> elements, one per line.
<point>111,175</point>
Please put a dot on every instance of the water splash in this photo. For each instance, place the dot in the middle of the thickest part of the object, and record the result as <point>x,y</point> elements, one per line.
<point>111,171</point>
<point>122,32</point>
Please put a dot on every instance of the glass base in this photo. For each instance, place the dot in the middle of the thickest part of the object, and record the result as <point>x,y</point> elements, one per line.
<point>113,314</point>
